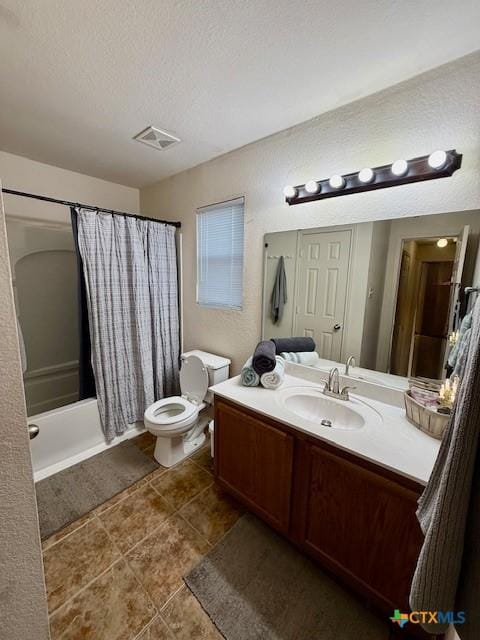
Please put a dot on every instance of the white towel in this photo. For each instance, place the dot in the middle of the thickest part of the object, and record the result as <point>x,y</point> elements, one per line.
<point>273,379</point>
<point>301,357</point>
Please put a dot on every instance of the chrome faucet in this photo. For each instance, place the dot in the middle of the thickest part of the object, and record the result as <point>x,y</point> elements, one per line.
<point>350,363</point>
<point>332,387</point>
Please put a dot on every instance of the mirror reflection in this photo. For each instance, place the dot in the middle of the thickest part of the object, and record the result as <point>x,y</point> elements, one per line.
<point>384,298</point>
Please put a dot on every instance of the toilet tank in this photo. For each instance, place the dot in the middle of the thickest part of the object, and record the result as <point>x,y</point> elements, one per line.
<point>218,368</point>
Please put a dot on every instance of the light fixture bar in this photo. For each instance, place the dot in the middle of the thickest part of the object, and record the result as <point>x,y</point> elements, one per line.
<point>418,169</point>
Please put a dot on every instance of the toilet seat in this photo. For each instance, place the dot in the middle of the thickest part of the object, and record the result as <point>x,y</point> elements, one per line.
<point>193,379</point>
<point>169,411</point>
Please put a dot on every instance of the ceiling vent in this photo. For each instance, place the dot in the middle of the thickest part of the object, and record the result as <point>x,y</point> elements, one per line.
<point>157,138</point>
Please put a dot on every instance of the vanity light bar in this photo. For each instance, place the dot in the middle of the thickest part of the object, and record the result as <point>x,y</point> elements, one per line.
<point>439,164</point>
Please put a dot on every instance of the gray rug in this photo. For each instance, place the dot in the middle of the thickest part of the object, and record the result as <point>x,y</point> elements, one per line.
<point>254,585</point>
<point>70,494</point>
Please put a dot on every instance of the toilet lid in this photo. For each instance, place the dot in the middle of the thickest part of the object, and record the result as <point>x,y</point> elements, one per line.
<point>193,379</point>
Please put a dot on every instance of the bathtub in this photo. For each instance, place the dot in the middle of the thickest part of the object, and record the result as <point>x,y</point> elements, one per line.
<point>69,435</point>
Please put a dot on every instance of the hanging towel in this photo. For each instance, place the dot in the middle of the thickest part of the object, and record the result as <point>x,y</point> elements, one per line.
<point>447,577</point>
<point>293,344</point>
<point>263,359</point>
<point>461,359</point>
<point>274,379</point>
<point>464,327</point>
<point>279,292</point>
<point>301,357</point>
<point>249,377</point>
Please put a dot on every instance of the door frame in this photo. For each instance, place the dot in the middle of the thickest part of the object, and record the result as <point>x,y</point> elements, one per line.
<point>458,233</point>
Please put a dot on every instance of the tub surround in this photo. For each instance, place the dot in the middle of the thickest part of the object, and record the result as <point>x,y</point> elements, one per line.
<point>389,441</point>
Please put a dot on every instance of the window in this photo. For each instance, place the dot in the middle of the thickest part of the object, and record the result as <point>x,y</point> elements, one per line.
<point>220,254</point>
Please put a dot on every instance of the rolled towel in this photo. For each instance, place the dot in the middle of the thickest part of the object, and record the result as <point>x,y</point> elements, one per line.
<point>301,357</point>
<point>249,377</point>
<point>274,379</point>
<point>263,359</point>
<point>293,344</point>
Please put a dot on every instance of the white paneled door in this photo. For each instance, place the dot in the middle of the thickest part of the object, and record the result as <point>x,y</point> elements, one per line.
<point>322,278</point>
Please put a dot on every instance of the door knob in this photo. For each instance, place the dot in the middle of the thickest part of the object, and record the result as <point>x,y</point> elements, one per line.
<point>337,327</point>
<point>33,431</point>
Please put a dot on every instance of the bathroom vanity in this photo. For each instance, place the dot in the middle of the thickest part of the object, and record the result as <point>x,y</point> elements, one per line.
<point>345,494</point>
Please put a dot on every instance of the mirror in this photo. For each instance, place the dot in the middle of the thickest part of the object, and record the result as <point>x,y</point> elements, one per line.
<point>390,293</point>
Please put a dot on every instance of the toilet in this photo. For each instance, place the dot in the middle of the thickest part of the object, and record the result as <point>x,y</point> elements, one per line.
<point>175,420</point>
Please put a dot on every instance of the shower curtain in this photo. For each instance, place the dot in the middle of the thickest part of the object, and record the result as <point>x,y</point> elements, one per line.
<point>130,273</point>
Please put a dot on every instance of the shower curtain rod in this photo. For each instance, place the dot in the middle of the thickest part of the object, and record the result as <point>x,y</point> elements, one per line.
<point>67,203</point>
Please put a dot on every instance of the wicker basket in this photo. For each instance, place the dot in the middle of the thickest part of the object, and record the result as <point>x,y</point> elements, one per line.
<point>425,419</point>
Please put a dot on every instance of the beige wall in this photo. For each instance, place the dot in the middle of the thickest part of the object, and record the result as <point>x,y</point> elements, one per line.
<point>23,609</point>
<point>23,174</point>
<point>436,110</point>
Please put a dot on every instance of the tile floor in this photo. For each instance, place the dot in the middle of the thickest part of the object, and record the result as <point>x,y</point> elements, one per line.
<point>116,574</point>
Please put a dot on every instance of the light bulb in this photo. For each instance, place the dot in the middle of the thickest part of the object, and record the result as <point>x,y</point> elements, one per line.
<point>400,167</point>
<point>337,182</point>
<point>366,175</point>
<point>437,159</point>
<point>289,191</point>
<point>312,186</point>
<point>442,242</point>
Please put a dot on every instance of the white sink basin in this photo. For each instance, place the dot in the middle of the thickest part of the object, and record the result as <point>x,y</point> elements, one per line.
<point>311,404</point>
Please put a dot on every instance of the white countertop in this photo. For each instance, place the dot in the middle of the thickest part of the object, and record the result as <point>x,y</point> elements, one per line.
<point>390,441</point>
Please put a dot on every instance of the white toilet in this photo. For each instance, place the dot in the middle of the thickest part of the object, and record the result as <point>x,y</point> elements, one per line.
<point>175,420</point>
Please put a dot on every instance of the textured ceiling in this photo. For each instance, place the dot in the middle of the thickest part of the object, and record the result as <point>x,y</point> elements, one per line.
<point>79,79</point>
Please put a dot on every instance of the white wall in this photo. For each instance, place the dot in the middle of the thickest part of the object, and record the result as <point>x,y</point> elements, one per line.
<point>438,109</point>
<point>23,174</point>
<point>374,293</point>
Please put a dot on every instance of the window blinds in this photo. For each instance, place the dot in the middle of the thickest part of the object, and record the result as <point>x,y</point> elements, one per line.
<point>220,254</point>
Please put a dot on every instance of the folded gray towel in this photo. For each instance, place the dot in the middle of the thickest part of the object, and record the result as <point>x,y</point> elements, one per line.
<point>249,376</point>
<point>273,379</point>
<point>263,359</point>
<point>293,344</point>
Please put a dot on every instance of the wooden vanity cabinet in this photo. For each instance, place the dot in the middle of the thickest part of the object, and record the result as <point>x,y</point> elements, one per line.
<point>356,519</point>
<point>358,523</point>
<point>254,462</point>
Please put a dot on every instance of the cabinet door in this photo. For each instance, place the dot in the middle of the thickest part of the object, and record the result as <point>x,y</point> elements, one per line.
<point>253,460</point>
<point>361,524</point>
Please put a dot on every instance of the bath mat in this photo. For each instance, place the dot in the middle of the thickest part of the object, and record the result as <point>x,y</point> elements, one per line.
<point>70,494</point>
<point>254,585</point>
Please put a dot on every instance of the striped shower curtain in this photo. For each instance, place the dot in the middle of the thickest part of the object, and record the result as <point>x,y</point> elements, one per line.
<point>130,273</point>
